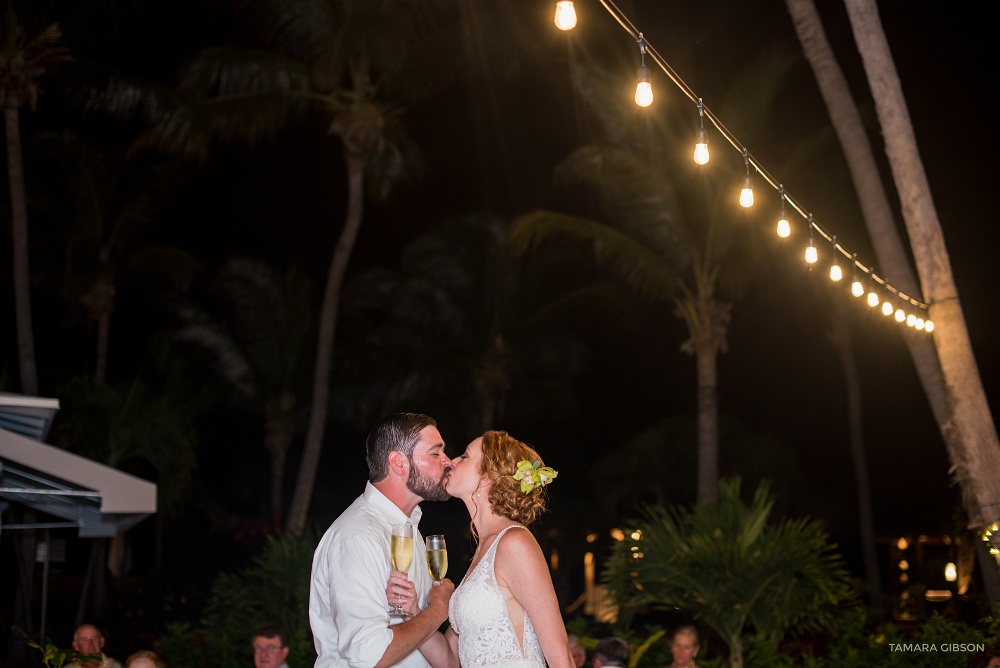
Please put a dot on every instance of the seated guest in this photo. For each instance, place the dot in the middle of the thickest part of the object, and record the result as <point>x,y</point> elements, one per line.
<point>612,652</point>
<point>269,648</point>
<point>88,639</point>
<point>144,659</point>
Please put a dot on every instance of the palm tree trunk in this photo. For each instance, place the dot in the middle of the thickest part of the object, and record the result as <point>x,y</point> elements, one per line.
<point>976,465</point>
<point>324,347</point>
<point>840,337</point>
<point>872,197</point>
<point>19,234</point>
<point>278,434</point>
<point>706,361</point>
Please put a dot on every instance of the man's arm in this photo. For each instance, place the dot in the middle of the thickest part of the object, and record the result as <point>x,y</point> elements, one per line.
<point>407,636</point>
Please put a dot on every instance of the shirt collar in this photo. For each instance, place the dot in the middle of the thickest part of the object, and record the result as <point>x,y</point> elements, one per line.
<point>389,509</point>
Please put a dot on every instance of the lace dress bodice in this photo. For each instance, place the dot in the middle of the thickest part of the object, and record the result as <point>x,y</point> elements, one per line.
<point>478,613</point>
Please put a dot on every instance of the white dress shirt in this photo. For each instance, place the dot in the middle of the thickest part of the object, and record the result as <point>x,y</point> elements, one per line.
<point>348,611</point>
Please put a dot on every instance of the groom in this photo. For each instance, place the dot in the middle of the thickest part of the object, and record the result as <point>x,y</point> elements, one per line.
<point>347,599</point>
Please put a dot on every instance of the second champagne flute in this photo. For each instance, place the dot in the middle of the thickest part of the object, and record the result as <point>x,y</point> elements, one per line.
<point>437,557</point>
<point>401,554</point>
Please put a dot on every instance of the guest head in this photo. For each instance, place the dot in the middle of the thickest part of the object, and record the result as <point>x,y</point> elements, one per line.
<point>270,648</point>
<point>685,645</point>
<point>984,659</point>
<point>577,652</point>
<point>88,639</point>
<point>612,651</point>
<point>144,659</point>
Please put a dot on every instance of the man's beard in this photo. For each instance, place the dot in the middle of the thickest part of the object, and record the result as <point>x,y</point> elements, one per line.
<point>425,486</point>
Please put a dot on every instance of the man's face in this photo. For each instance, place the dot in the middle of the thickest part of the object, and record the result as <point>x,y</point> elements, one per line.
<point>268,652</point>
<point>88,640</point>
<point>428,466</point>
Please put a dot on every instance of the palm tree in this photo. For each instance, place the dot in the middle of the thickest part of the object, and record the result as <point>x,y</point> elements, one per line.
<point>732,566</point>
<point>949,377</point>
<point>469,330</point>
<point>23,62</point>
<point>669,234</point>
<point>342,59</point>
<point>94,212</point>
<point>259,344</point>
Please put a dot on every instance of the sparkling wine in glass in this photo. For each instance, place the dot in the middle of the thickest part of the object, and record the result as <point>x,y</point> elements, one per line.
<point>401,554</point>
<point>437,557</point>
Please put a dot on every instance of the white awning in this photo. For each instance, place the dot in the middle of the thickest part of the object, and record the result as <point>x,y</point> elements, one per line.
<point>97,499</point>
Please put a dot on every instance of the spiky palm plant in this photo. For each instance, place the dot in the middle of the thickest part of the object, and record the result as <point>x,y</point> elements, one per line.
<point>732,566</point>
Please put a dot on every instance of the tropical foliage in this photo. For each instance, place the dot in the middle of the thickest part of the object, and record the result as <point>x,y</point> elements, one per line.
<point>732,566</point>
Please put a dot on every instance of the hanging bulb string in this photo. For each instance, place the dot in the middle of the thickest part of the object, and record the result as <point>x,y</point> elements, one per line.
<point>704,112</point>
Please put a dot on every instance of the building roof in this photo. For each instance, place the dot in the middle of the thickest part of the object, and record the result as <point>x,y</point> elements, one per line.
<point>97,499</point>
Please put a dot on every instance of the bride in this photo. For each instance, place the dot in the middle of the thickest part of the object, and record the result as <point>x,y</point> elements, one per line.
<point>505,611</point>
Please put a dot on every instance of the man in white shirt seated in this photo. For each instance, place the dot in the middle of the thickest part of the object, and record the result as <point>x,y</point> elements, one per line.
<point>348,614</point>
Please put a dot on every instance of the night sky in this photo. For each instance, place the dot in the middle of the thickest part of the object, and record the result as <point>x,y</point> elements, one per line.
<point>494,148</point>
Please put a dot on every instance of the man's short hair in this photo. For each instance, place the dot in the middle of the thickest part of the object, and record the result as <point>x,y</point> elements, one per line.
<point>397,432</point>
<point>612,651</point>
<point>270,632</point>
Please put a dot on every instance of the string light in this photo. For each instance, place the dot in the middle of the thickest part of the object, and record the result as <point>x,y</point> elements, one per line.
<point>701,146</point>
<point>812,255</point>
<point>900,315</point>
<point>746,195</point>
<point>644,97</point>
<point>565,15</point>
<point>784,228</point>
<point>643,79</point>
<point>836,273</point>
<point>856,288</point>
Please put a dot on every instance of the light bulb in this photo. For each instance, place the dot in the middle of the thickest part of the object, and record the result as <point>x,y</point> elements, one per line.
<point>565,15</point>
<point>900,315</point>
<point>873,299</point>
<point>643,87</point>
<point>811,253</point>
<point>857,289</point>
<point>929,326</point>
<point>701,148</point>
<point>911,320</point>
<point>784,228</point>
<point>950,572</point>
<point>886,308</point>
<point>919,324</point>
<point>746,195</point>
<point>836,273</point>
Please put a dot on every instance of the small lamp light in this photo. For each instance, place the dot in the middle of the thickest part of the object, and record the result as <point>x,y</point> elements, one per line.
<point>784,227</point>
<point>812,255</point>
<point>746,195</point>
<point>565,15</point>
<point>701,146</point>
<point>836,273</point>
<point>643,80</point>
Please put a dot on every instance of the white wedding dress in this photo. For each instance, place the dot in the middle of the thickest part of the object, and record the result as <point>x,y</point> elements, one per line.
<point>479,615</point>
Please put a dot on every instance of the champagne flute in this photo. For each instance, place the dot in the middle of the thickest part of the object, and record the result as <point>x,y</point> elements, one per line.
<point>437,557</point>
<point>401,554</point>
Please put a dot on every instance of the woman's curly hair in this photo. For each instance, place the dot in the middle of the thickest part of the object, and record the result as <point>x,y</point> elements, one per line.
<point>501,453</point>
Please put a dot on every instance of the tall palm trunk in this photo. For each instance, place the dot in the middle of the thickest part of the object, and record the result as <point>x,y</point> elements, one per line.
<point>977,462</point>
<point>706,361</point>
<point>278,434</point>
<point>324,346</point>
<point>840,337</point>
<point>872,197</point>
<point>19,234</point>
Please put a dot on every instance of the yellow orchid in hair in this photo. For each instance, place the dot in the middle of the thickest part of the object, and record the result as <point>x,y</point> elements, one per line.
<point>533,474</point>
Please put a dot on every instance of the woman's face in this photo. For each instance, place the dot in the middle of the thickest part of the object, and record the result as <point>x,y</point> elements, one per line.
<point>684,649</point>
<point>464,479</point>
